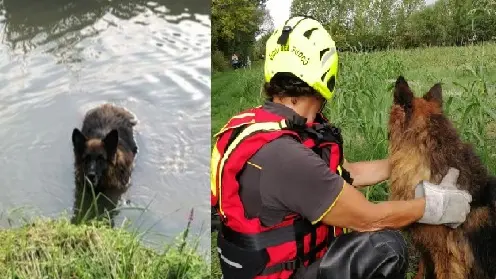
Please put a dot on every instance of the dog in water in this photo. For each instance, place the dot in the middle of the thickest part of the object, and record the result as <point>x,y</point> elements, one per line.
<point>423,145</point>
<point>104,152</point>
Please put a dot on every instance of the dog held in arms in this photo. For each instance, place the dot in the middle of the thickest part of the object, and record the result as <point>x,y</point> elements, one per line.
<point>423,145</point>
<point>104,152</point>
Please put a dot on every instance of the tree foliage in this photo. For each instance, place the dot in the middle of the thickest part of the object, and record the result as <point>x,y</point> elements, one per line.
<point>236,23</point>
<point>369,24</point>
<point>358,24</point>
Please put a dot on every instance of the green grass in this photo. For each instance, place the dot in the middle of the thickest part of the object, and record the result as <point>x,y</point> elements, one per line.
<point>57,248</point>
<point>364,96</point>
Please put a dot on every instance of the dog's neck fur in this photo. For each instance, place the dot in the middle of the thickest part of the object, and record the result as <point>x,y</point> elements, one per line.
<point>409,167</point>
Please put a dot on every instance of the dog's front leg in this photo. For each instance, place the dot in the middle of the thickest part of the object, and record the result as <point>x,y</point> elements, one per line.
<point>420,269</point>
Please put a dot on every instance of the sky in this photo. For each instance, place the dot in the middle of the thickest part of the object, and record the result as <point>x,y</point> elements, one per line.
<point>279,9</point>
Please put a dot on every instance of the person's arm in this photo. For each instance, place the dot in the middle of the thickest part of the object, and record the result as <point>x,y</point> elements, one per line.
<point>352,210</point>
<point>366,173</point>
<point>303,183</point>
<point>433,204</point>
<point>293,178</point>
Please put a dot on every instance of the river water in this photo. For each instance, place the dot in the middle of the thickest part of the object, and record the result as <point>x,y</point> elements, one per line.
<point>59,58</point>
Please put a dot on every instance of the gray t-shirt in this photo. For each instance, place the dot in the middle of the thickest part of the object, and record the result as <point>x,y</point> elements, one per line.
<point>286,177</point>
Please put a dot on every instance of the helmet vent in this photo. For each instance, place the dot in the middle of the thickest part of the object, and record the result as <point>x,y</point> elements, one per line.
<point>283,39</point>
<point>323,76</point>
<point>331,83</point>
<point>308,33</point>
<point>322,52</point>
<point>327,55</point>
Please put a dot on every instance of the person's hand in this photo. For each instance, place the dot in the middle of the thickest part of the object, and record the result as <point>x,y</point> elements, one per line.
<point>444,203</point>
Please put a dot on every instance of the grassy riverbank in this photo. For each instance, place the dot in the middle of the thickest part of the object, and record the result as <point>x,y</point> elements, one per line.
<point>364,96</point>
<point>47,248</point>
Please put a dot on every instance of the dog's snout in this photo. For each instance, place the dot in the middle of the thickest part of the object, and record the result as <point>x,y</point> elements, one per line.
<point>91,176</point>
<point>92,172</point>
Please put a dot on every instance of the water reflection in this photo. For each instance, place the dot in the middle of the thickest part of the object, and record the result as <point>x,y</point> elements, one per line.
<point>59,58</point>
<point>32,23</point>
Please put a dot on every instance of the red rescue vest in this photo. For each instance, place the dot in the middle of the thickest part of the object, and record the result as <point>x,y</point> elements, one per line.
<point>293,242</point>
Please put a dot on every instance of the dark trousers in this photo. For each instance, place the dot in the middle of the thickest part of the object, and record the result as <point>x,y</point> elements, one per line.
<point>369,255</point>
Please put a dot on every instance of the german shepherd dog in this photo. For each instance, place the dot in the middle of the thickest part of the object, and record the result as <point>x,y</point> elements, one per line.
<point>104,152</point>
<point>423,145</point>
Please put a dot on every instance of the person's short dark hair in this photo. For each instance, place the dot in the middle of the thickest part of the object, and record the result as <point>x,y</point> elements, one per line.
<point>288,85</point>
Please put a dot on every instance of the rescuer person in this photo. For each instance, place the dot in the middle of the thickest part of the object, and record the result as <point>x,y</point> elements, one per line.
<point>287,198</point>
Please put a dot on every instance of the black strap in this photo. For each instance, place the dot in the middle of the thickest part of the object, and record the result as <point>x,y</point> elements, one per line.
<point>300,244</point>
<point>283,39</point>
<point>236,131</point>
<point>289,265</point>
<point>265,239</point>
<point>297,124</point>
<point>325,132</point>
<point>294,264</point>
<point>328,132</point>
<point>297,232</point>
<point>346,176</point>
<point>313,243</point>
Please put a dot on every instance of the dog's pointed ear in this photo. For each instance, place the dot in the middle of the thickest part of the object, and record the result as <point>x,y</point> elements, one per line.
<point>78,141</point>
<point>110,143</point>
<point>403,95</point>
<point>435,94</point>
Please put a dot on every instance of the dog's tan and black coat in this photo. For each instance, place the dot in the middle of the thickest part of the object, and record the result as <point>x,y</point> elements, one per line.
<point>104,153</point>
<point>423,144</point>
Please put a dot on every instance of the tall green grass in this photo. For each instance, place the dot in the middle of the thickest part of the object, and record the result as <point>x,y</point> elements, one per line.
<point>364,96</point>
<point>90,247</point>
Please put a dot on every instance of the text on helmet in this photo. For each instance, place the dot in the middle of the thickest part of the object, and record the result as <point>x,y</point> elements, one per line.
<point>296,51</point>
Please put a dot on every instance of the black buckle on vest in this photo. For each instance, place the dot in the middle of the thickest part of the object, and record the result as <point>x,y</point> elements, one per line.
<point>328,132</point>
<point>298,262</point>
<point>319,132</point>
<point>317,136</point>
<point>289,265</point>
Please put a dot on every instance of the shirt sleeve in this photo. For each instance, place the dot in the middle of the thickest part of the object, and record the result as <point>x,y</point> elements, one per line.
<point>296,178</point>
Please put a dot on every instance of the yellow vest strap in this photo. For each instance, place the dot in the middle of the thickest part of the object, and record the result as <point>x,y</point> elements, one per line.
<point>218,161</point>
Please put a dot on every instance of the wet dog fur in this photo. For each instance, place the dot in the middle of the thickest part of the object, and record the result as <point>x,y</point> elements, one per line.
<point>104,149</point>
<point>104,152</point>
<point>423,144</point>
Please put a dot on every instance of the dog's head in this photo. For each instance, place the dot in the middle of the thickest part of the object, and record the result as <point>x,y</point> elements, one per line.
<point>409,114</point>
<point>94,156</point>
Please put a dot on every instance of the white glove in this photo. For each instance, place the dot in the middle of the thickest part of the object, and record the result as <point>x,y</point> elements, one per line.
<point>444,203</point>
